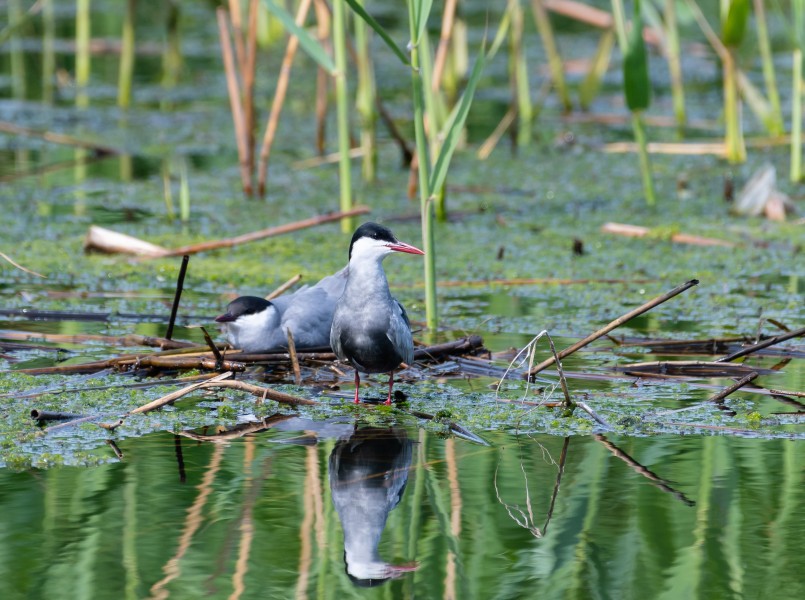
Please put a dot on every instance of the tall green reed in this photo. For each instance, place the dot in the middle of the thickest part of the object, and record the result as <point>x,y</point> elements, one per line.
<point>797,90</point>
<point>126,71</point>
<point>636,85</point>
<point>82,51</point>
<point>342,112</point>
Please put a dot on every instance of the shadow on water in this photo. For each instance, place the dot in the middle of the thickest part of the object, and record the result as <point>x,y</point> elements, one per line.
<point>285,507</point>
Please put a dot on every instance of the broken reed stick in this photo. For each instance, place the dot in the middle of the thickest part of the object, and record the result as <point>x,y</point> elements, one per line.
<point>279,99</point>
<point>56,138</point>
<point>297,372</point>
<point>269,232</point>
<point>568,403</point>
<point>112,242</point>
<point>177,296</point>
<point>130,339</point>
<point>47,415</point>
<point>7,258</point>
<point>616,323</point>
<point>322,76</point>
<point>285,286</point>
<point>592,413</point>
<point>211,345</point>
<point>234,100</point>
<point>760,345</point>
<point>248,82</point>
<point>261,392</point>
<point>115,448</point>
<point>717,398</point>
<point>168,398</point>
<point>680,238</point>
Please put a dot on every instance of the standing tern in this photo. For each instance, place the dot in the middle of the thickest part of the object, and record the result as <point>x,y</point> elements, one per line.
<point>370,328</point>
<point>257,325</point>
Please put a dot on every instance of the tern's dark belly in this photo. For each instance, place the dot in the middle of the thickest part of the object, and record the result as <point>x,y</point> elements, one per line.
<point>371,352</point>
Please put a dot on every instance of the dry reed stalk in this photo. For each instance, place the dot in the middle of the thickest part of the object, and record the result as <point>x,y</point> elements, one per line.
<point>248,83</point>
<point>56,138</point>
<point>322,77</point>
<point>8,259</point>
<point>679,238</point>
<point>675,148</point>
<point>230,70</point>
<point>612,325</point>
<point>285,286</point>
<point>735,386</point>
<point>237,33</point>
<point>297,372</point>
<point>168,398</point>
<point>279,99</point>
<point>106,240</point>
<point>327,159</point>
<point>485,149</point>
<point>448,19</point>
<point>269,232</point>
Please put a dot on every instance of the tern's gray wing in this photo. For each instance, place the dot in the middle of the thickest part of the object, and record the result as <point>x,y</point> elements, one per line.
<point>399,332</point>
<point>310,318</point>
<point>333,285</point>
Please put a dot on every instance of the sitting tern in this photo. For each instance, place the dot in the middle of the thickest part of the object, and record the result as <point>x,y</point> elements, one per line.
<point>256,325</point>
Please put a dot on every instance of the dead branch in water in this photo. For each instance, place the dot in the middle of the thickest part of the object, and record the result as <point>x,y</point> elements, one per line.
<point>285,286</point>
<point>764,344</point>
<point>689,368</point>
<point>719,397</point>
<point>177,296</point>
<point>616,323</point>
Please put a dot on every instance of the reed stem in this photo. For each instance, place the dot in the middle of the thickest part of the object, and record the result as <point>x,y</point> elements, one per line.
<point>342,112</point>
<point>734,141</point>
<point>518,72</point>
<point>48,51</point>
<point>425,203</point>
<point>366,104</point>
<point>773,120</point>
<point>82,51</point>
<point>545,29</point>
<point>674,64</point>
<point>126,56</point>
<point>645,165</point>
<point>796,118</point>
<point>15,15</point>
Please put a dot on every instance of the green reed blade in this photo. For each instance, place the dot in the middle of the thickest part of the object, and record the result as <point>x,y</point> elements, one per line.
<point>308,42</point>
<point>733,25</point>
<point>455,124</point>
<point>636,86</point>
<point>361,12</point>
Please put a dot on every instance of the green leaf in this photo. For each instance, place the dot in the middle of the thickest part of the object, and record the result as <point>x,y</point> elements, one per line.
<point>370,20</point>
<point>308,42</point>
<point>454,125</point>
<point>421,14</point>
<point>734,26</point>
<point>636,85</point>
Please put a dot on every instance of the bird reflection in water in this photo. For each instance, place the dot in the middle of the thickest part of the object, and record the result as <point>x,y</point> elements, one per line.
<point>368,473</point>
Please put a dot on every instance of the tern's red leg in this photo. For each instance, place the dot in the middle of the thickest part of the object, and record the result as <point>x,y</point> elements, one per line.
<point>391,384</point>
<point>357,386</point>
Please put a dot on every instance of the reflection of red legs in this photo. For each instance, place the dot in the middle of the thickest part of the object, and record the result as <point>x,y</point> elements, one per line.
<point>391,384</point>
<point>357,386</point>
